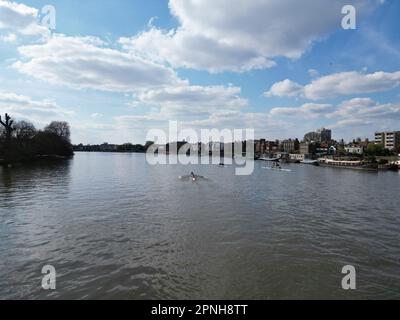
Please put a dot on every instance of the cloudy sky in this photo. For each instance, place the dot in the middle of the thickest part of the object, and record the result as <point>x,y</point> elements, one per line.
<point>116,68</point>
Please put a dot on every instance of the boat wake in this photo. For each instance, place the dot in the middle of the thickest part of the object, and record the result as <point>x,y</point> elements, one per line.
<point>277,169</point>
<point>191,178</point>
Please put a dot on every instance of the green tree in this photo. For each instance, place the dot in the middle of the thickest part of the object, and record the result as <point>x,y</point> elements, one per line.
<point>375,150</point>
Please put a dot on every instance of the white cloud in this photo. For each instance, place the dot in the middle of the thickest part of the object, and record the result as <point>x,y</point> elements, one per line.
<point>217,36</point>
<point>21,19</point>
<point>262,123</point>
<point>366,108</point>
<point>350,123</point>
<point>191,106</point>
<point>236,119</point>
<point>348,83</point>
<point>11,37</point>
<point>306,111</point>
<point>354,108</point>
<point>338,84</point>
<point>240,35</point>
<point>38,112</point>
<point>355,117</point>
<point>313,73</point>
<point>351,118</point>
<point>285,88</point>
<point>193,101</point>
<point>96,115</point>
<point>183,49</point>
<point>86,63</point>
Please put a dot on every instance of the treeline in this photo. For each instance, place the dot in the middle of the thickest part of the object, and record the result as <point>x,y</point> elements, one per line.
<point>126,147</point>
<point>378,150</point>
<point>21,141</point>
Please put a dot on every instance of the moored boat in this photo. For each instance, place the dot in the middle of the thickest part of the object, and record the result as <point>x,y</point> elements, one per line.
<point>310,162</point>
<point>348,164</point>
<point>269,159</point>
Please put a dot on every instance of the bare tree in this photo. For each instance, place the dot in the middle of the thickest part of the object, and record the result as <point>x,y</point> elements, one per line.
<point>24,130</point>
<point>59,128</point>
<point>8,126</point>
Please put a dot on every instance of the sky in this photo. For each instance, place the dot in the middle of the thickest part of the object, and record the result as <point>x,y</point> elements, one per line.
<point>115,69</point>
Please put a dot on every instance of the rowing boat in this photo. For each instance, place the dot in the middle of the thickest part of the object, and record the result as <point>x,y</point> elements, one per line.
<point>277,169</point>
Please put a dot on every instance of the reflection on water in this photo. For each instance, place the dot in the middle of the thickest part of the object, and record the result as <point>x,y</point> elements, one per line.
<point>115,227</point>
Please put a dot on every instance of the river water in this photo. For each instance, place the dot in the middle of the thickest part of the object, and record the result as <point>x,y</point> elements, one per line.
<point>115,227</point>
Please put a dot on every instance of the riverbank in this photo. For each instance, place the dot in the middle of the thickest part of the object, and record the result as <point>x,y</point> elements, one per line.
<point>341,163</point>
<point>50,157</point>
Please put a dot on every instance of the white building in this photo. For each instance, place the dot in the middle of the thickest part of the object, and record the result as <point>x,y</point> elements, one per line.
<point>297,157</point>
<point>389,140</point>
<point>354,149</point>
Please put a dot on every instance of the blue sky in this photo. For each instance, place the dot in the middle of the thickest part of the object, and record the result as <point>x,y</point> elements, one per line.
<point>115,69</point>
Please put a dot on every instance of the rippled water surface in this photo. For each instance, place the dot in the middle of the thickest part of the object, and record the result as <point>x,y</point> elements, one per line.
<point>116,228</point>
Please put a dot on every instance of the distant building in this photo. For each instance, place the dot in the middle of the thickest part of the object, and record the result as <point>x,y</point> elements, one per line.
<point>308,148</point>
<point>290,145</point>
<point>354,149</point>
<point>389,140</point>
<point>332,150</point>
<point>326,134</point>
<point>312,137</point>
<point>263,146</point>
<point>297,157</point>
<point>321,135</point>
<point>271,146</point>
<point>260,146</point>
